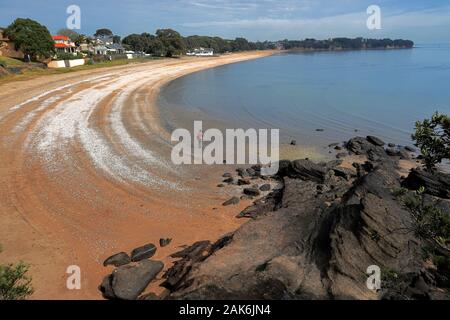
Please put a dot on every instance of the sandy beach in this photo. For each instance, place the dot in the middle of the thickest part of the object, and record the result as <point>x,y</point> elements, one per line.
<point>85,172</point>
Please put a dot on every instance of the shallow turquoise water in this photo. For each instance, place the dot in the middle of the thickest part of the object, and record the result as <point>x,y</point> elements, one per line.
<point>374,92</point>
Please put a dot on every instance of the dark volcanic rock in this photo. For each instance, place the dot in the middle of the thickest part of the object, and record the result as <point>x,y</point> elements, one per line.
<point>270,203</point>
<point>376,141</point>
<point>143,252</point>
<point>232,201</point>
<point>227,175</point>
<point>228,180</point>
<point>243,182</point>
<point>324,233</point>
<point>391,145</point>
<point>242,173</point>
<point>410,149</point>
<point>293,142</point>
<point>341,155</point>
<point>128,282</point>
<point>308,170</point>
<point>117,260</point>
<point>362,146</point>
<point>164,242</point>
<point>345,173</point>
<point>253,192</point>
<point>436,184</point>
<point>265,187</point>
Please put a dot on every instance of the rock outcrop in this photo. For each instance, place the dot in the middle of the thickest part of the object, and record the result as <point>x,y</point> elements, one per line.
<point>128,282</point>
<point>313,239</point>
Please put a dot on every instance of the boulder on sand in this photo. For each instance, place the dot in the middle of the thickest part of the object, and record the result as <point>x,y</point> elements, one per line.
<point>128,282</point>
<point>117,260</point>
<point>164,242</point>
<point>375,140</point>
<point>143,252</point>
<point>232,201</point>
<point>253,192</point>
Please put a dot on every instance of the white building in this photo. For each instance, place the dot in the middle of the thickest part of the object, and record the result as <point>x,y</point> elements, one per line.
<point>201,52</point>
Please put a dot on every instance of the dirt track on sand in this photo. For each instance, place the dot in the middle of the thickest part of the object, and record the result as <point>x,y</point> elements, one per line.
<point>85,172</point>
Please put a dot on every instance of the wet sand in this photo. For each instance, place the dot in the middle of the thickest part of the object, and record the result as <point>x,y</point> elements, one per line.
<point>85,172</point>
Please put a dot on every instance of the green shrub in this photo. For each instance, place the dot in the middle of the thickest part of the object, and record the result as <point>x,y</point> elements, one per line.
<point>432,137</point>
<point>14,283</point>
<point>430,223</point>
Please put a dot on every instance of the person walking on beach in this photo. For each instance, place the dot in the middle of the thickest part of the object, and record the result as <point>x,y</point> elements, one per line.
<point>200,139</point>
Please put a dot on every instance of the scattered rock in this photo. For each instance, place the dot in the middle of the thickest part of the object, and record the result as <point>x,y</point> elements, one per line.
<point>251,171</point>
<point>143,252</point>
<point>410,149</point>
<point>128,282</point>
<point>242,173</point>
<point>392,145</point>
<point>232,201</point>
<point>376,141</point>
<point>338,148</point>
<point>361,146</point>
<point>320,130</point>
<point>243,182</point>
<point>221,185</point>
<point>341,155</point>
<point>293,142</point>
<point>117,260</point>
<point>265,187</point>
<point>164,242</point>
<point>246,197</point>
<point>227,175</point>
<point>228,180</point>
<point>392,152</point>
<point>332,145</point>
<point>253,192</point>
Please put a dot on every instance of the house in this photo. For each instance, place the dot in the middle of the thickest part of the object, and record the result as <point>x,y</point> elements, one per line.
<point>104,40</point>
<point>100,50</point>
<point>201,52</point>
<point>115,48</point>
<point>7,47</point>
<point>63,44</point>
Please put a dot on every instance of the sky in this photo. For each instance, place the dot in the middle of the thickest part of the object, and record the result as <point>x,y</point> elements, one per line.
<point>424,21</point>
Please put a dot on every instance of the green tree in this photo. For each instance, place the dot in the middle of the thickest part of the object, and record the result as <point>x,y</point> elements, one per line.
<point>116,39</point>
<point>14,283</point>
<point>172,41</point>
<point>136,42</point>
<point>103,33</point>
<point>73,35</point>
<point>81,38</point>
<point>31,37</point>
<point>432,137</point>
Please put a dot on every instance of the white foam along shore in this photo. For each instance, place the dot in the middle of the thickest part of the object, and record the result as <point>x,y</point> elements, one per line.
<point>62,120</point>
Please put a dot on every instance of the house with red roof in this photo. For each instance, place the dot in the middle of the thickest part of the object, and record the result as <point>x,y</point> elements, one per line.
<point>64,44</point>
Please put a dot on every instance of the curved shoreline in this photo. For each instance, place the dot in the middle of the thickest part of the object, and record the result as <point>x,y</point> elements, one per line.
<point>82,176</point>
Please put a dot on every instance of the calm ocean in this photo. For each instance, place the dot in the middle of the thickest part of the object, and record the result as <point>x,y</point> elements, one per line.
<point>346,94</point>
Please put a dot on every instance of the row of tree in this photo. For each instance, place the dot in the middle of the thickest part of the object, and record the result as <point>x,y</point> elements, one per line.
<point>168,42</point>
<point>35,39</point>
<point>345,43</point>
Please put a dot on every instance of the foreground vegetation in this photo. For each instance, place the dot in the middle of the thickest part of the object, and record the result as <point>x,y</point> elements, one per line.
<point>15,284</point>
